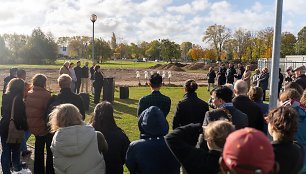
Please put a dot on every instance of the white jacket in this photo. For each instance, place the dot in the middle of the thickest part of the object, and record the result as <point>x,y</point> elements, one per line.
<point>75,151</point>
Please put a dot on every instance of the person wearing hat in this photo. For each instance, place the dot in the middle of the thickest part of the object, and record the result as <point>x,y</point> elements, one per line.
<point>150,154</point>
<point>289,76</point>
<point>248,151</point>
<point>300,76</point>
<point>13,74</point>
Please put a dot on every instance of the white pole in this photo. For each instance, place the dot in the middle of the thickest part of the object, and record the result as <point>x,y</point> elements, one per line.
<point>276,55</point>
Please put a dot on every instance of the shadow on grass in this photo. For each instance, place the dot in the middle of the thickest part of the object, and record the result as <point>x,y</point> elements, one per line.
<point>126,101</point>
<point>120,109</point>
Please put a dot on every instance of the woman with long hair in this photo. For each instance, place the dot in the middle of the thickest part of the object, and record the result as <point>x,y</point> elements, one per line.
<point>247,75</point>
<point>12,101</point>
<point>103,121</point>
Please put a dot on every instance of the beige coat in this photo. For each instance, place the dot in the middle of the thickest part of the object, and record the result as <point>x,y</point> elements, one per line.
<point>75,151</point>
<point>64,70</point>
<point>247,78</point>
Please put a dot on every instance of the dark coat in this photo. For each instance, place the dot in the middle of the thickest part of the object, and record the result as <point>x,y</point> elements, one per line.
<point>211,76</point>
<point>289,155</point>
<point>118,144</point>
<point>301,80</point>
<point>230,75</point>
<point>154,99</point>
<point>263,81</point>
<point>92,72</point>
<point>221,76</point>
<point>98,80</point>
<point>78,72</point>
<point>239,119</point>
<point>255,116</point>
<point>85,72</point>
<point>20,118</point>
<point>182,143</point>
<point>150,154</point>
<point>5,82</point>
<point>239,76</point>
<point>190,104</point>
<point>66,96</point>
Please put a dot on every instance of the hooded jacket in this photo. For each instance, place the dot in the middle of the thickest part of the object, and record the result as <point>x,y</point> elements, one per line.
<point>150,154</point>
<point>75,151</point>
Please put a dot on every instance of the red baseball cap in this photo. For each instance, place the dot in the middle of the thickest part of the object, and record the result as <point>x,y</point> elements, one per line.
<point>248,151</point>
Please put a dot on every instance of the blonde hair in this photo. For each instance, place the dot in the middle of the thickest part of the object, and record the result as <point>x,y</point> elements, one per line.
<point>64,115</point>
<point>248,67</point>
<point>64,81</point>
<point>218,131</point>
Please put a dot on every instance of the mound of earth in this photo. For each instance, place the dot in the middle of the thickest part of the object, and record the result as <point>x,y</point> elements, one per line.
<point>155,66</point>
<point>170,66</point>
<point>195,66</point>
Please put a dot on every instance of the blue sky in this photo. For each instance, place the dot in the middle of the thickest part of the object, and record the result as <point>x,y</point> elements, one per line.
<point>137,20</point>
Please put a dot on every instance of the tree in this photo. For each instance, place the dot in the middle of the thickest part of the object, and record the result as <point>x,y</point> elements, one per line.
<point>229,48</point>
<point>185,47</point>
<point>15,43</point>
<point>153,51</point>
<point>103,50</point>
<point>288,41</point>
<point>134,51</point>
<point>169,50</point>
<point>242,40</point>
<point>217,35</point>
<point>142,47</point>
<point>266,37</point>
<point>210,54</point>
<point>4,52</point>
<point>196,52</point>
<point>301,42</point>
<point>113,44</point>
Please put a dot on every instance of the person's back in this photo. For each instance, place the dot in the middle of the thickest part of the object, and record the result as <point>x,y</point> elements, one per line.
<point>191,109</point>
<point>255,116</point>
<point>150,154</point>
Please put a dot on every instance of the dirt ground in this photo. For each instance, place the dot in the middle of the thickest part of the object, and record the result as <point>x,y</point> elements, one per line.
<point>122,76</point>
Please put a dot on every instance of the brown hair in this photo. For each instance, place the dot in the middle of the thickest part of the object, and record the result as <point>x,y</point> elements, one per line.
<point>16,86</point>
<point>190,85</point>
<point>294,85</point>
<point>255,93</point>
<point>303,98</point>
<point>218,131</point>
<point>248,67</point>
<point>64,81</point>
<point>257,71</point>
<point>64,115</point>
<point>284,120</point>
<point>290,94</point>
<point>39,80</point>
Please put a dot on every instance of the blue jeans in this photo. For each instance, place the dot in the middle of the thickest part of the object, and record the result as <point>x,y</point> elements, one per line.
<point>8,151</point>
<point>23,146</point>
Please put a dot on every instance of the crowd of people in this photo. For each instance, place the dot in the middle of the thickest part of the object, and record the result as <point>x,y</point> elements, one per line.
<point>227,135</point>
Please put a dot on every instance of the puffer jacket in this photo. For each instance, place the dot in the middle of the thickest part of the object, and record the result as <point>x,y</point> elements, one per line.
<point>75,151</point>
<point>36,105</point>
<point>150,154</point>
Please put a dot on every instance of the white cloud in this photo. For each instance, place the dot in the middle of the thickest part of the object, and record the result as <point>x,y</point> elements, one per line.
<point>294,7</point>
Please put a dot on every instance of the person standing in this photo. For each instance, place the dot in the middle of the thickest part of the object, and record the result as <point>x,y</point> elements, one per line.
<point>221,75</point>
<point>36,105</point>
<point>211,78</point>
<point>65,69</point>
<point>247,76</point>
<point>118,143</point>
<point>155,98</point>
<point>255,77</point>
<point>289,75</point>
<point>300,76</point>
<point>73,77</point>
<point>13,74</point>
<point>12,106</point>
<point>78,74</point>
<point>280,81</point>
<point>84,79</point>
<point>190,104</point>
<point>92,76</point>
<point>230,74</point>
<point>263,81</point>
<point>98,84</point>
<point>240,71</point>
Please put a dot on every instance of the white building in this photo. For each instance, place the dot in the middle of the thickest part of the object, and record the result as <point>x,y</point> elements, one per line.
<point>63,50</point>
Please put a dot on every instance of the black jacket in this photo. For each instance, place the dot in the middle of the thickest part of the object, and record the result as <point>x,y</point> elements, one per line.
<point>92,72</point>
<point>263,81</point>
<point>211,76</point>
<point>20,118</point>
<point>255,116</point>
<point>190,104</point>
<point>182,143</point>
<point>78,72</point>
<point>301,80</point>
<point>6,81</point>
<point>289,155</point>
<point>221,76</point>
<point>230,75</point>
<point>66,96</point>
<point>85,72</point>
<point>98,80</point>
<point>239,119</point>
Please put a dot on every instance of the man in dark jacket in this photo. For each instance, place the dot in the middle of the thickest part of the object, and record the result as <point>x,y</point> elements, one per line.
<point>263,81</point>
<point>222,100</point>
<point>13,74</point>
<point>92,75</point>
<point>78,74</point>
<point>300,76</point>
<point>242,102</point>
<point>221,75</point>
<point>190,104</point>
<point>230,74</point>
<point>280,81</point>
<point>155,98</point>
<point>150,154</point>
<point>85,78</point>
<point>240,72</point>
<point>66,96</point>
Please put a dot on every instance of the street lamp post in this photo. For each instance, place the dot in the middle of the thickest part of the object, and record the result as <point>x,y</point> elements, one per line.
<point>93,19</point>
